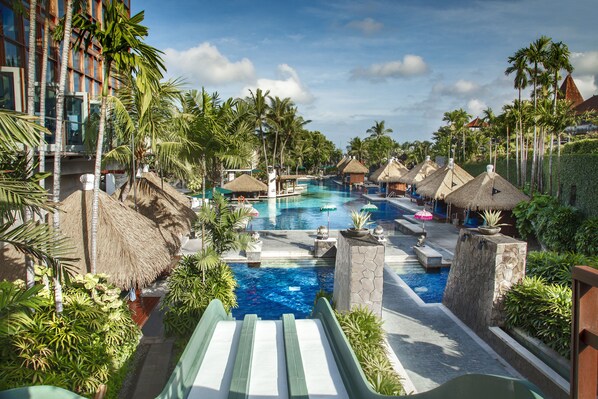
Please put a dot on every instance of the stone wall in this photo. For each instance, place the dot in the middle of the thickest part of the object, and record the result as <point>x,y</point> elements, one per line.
<point>484,269</point>
<point>358,273</point>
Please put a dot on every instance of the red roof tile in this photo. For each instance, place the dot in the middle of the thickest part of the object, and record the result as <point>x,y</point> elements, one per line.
<point>569,91</point>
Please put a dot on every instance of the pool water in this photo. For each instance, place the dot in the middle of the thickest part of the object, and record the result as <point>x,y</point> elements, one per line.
<point>303,212</point>
<point>282,286</point>
<point>428,286</point>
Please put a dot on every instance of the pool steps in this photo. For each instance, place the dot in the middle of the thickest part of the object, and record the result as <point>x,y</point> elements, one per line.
<point>288,358</point>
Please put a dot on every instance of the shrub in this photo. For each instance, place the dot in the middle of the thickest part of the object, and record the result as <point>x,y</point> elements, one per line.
<point>587,146</point>
<point>542,310</point>
<point>556,227</point>
<point>366,336</point>
<point>556,268</point>
<point>586,237</point>
<point>190,291</point>
<point>527,212</point>
<point>86,346</point>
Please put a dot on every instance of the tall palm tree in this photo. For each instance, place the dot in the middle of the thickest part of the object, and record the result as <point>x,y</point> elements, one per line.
<point>42,95</point>
<point>536,55</point>
<point>120,38</point>
<point>357,148</point>
<point>278,110</point>
<point>457,120</point>
<point>299,152</point>
<point>558,59</point>
<point>378,129</point>
<point>259,110</point>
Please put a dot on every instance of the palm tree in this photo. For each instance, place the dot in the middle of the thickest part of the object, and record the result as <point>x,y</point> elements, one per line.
<point>120,38</point>
<point>42,96</point>
<point>357,148</point>
<point>259,110</point>
<point>378,130</point>
<point>457,120</point>
<point>278,110</point>
<point>300,151</point>
<point>557,60</point>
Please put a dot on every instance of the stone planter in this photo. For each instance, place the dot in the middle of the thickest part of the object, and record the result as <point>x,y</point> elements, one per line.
<point>488,231</point>
<point>352,232</point>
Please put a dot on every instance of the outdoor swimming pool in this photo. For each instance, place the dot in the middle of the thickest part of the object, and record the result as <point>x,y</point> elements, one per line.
<point>303,212</point>
<point>290,286</point>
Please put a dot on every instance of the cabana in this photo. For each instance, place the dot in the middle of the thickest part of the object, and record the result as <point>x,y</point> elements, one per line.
<point>353,172</point>
<point>389,175</point>
<point>418,173</point>
<point>288,184</point>
<point>246,186</point>
<point>440,184</point>
<point>488,191</point>
<point>161,203</point>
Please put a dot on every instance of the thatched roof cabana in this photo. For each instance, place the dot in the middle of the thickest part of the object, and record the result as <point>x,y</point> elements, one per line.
<point>354,167</point>
<point>245,184</point>
<point>419,172</point>
<point>131,249</point>
<point>168,208</point>
<point>389,173</point>
<point>342,161</point>
<point>488,190</point>
<point>443,182</point>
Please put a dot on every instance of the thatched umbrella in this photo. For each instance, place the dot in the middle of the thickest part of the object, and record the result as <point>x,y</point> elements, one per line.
<point>443,182</point>
<point>131,249</point>
<point>489,191</point>
<point>419,172</point>
<point>168,208</point>
<point>246,184</point>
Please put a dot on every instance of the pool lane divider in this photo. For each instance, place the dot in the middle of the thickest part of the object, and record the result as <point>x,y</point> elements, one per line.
<point>294,364</point>
<point>239,387</point>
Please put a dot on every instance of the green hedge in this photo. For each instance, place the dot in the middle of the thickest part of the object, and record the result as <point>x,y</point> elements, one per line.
<point>556,268</point>
<point>586,238</point>
<point>586,146</point>
<point>542,310</point>
<point>579,179</point>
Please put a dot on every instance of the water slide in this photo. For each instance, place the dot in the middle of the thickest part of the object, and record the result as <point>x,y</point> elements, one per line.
<point>286,358</point>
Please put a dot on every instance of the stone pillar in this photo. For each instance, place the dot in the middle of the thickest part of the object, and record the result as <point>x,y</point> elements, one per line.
<point>325,247</point>
<point>484,269</point>
<point>271,183</point>
<point>358,273</point>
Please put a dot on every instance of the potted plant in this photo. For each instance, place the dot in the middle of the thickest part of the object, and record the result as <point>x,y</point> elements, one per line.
<point>360,222</point>
<point>492,223</point>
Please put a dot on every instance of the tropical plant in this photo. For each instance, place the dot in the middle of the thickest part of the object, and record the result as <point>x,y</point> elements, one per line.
<point>586,237</point>
<point>492,218</point>
<point>379,129</point>
<point>16,306</point>
<point>457,120</point>
<point>190,291</point>
<point>556,268</point>
<point>365,334</point>
<point>556,227</point>
<point>542,310</point>
<point>527,213</point>
<point>360,220</point>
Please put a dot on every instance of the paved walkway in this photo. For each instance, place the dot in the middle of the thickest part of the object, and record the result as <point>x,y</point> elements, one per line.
<point>432,345</point>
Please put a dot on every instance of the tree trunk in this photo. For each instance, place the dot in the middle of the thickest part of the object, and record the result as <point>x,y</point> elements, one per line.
<point>98,169</point>
<point>508,149</point>
<point>558,167</point>
<point>42,101</point>
<point>64,60</point>
<point>264,146</point>
<point>550,162</point>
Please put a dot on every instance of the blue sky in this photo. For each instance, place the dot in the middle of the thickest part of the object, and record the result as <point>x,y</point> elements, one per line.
<point>349,63</point>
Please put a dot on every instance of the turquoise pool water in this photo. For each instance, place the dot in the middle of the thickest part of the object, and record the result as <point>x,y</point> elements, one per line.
<point>303,212</point>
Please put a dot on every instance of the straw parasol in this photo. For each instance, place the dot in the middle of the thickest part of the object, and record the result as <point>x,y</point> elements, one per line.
<point>488,190</point>
<point>131,249</point>
<point>354,167</point>
<point>245,184</point>
<point>170,210</point>
<point>419,172</point>
<point>443,182</point>
<point>389,173</point>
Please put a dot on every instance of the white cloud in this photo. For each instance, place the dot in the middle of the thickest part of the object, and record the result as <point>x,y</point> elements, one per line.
<point>204,64</point>
<point>288,85</point>
<point>585,63</point>
<point>586,85</point>
<point>475,107</point>
<point>366,26</point>
<point>411,65</point>
<point>461,87</point>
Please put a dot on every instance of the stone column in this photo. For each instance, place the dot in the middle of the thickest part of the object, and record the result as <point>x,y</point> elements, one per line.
<point>484,269</point>
<point>358,273</point>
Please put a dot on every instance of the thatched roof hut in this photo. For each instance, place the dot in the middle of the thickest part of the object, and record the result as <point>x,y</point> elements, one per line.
<point>419,172</point>
<point>168,208</point>
<point>488,190</point>
<point>131,249</point>
<point>443,182</point>
<point>389,173</point>
<point>342,161</point>
<point>354,167</point>
<point>245,184</point>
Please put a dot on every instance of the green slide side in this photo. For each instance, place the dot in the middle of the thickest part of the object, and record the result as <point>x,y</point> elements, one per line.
<point>39,392</point>
<point>295,375</point>
<point>239,386</point>
<point>470,386</point>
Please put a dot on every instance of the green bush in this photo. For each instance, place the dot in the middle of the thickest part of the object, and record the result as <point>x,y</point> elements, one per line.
<point>556,227</point>
<point>366,336</point>
<point>586,146</point>
<point>89,344</point>
<point>528,212</point>
<point>190,290</point>
<point>586,237</point>
<point>542,310</point>
<point>556,268</point>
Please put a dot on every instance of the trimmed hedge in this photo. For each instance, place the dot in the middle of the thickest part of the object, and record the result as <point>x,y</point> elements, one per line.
<point>542,310</point>
<point>586,146</point>
<point>579,181</point>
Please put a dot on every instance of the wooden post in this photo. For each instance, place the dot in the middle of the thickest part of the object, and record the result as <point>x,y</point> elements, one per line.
<point>584,336</point>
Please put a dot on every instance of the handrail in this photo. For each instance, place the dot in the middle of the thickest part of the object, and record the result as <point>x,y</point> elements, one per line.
<point>239,386</point>
<point>584,333</point>
<point>296,383</point>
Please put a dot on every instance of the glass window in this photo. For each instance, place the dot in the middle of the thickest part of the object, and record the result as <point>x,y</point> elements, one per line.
<point>96,68</point>
<point>13,56</point>
<point>26,28</point>
<point>96,89</point>
<point>86,67</point>
<point>88,85</point>
<point>94,9</point>
<point>8,22</point>
<point>60,4</point>
<point>73,107</point>
<point>76,59</point>
<point>76,82</point>
<point>51,72</point>
<point>7,91</point>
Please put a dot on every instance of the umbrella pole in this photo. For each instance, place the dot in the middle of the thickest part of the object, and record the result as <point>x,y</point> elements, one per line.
<point>328,223</point>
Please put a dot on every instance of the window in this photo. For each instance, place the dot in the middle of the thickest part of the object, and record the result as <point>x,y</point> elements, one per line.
<point>76,59</point>
<point>88,85</point>
<point>94,9</point>
<point>60,4</point>
<point>96,68</point>
<point>76,82</point>
<point>8,22</point>
<point>12,54</point>
<point>7,90</point>
<point>87,66</point>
